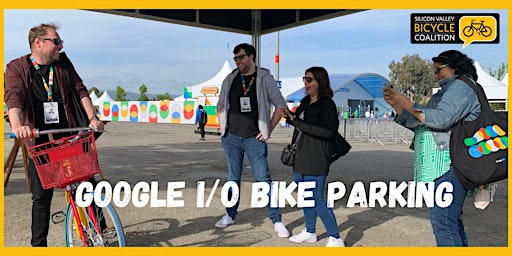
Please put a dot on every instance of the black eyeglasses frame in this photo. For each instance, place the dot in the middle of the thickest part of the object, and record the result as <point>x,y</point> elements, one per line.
<point>240,57</point>
<point>308,79</point>
<point>55,41</point>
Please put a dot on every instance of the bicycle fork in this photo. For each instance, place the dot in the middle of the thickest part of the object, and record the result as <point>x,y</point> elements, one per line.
<point>80,221</point>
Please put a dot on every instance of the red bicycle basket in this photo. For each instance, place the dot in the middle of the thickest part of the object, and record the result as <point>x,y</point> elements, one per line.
<point>66,161</point>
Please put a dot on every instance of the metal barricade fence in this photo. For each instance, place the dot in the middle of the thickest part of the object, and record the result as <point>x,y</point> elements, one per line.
<point>380,131</point>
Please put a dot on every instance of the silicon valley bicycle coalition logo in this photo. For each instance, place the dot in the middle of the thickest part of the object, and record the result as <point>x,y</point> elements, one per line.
<point>454,28</point>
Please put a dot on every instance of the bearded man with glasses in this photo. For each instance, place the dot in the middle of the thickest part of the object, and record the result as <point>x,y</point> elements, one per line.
<point>244,109</point>
<point>43,90</point>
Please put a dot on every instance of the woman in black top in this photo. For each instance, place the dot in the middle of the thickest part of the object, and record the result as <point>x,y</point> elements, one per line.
<point>317,120</point>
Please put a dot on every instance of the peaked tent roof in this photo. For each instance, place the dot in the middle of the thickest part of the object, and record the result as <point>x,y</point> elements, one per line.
<point>104,97</point>
<point>93,96</point>
<point>494,89</point>
<point>219,77</point>
<point>505,79</point>
<point>215,81</point>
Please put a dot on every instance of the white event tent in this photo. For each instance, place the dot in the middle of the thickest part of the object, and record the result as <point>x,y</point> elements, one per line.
<point>93,96</point>
<point>104,97</point>
<point>494,89</point>
<point>215,81</point>
<point>505,79</point>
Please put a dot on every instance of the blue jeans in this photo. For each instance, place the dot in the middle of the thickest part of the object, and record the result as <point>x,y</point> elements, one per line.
<point>320,209</point>
<point>235,147</point>
<point>447,222</point>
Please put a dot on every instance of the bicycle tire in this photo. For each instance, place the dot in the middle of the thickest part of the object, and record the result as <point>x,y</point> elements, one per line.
<point>486,31</point>
<point>113,234</point>
<point>468,31</point>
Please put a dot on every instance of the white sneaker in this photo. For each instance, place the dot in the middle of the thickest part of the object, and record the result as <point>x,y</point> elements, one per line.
<point>225,221</point>
<point>304,236</point>
<point>281,229</point>
<point>334,242</point>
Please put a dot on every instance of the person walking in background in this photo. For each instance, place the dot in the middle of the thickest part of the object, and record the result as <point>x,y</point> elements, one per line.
<point>244,109</point>
<point>39,88</point>
<point>432,128</point>
<point>317,122</point>
<point>367,115</point>
<point>201,120</point>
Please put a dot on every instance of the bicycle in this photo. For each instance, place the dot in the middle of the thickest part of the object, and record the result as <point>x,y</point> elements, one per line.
<point>64,163</point>
<point>481,29</point>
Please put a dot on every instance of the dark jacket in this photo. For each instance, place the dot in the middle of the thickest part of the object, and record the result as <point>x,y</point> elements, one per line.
<point>18,94</point>
<point>318,125</point>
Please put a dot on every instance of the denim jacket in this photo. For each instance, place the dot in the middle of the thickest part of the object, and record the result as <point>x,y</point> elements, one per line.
<point>455,101</point>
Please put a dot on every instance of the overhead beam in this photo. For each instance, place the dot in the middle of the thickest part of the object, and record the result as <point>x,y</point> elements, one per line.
<point>236,21</point>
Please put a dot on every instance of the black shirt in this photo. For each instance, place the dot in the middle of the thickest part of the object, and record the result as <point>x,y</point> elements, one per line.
<point>40,96</point>
<point>243,124</point>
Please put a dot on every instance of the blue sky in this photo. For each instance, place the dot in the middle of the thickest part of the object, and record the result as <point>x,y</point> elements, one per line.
<point>110,50</point>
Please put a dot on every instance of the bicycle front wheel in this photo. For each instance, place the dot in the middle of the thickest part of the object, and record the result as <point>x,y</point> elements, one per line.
<point>468,31</point>
<point>111,235</point>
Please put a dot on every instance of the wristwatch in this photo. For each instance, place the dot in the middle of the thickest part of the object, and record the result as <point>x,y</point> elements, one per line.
<point>94,117</point>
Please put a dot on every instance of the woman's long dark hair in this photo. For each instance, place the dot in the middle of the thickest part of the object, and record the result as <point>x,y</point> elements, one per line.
<point>460,62</point>
<point>322,78</point>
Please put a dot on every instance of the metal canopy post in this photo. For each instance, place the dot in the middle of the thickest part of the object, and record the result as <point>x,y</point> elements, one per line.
<point>256,34</point>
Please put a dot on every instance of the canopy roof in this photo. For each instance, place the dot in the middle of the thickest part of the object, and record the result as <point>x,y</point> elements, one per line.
<point>243,21</point>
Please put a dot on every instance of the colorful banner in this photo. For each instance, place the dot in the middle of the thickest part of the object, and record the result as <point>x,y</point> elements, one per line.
<point>175,112</point>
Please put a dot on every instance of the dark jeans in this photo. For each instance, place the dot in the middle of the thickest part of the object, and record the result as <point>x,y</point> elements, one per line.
<point>201,129</point>
<point>41,203</point>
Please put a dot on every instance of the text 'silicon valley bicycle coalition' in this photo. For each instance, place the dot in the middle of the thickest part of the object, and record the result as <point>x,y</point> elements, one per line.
<point>455,28</point>
<point>477,29</point>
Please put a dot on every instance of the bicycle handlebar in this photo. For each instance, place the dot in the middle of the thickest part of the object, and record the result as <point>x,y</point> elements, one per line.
<point>36,133</point>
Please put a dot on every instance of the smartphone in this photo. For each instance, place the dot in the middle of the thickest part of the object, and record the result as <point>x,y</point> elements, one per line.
<point>289,114</point>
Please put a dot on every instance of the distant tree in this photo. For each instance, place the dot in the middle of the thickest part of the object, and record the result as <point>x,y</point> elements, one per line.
<point>95,90</point>
<point>414,77</point>
<point>164,96</point>
<point>120,94</point>
<point>143,90</point>
<point>498,72</point>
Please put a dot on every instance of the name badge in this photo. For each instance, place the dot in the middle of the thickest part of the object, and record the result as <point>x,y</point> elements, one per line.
<point>51,112</point>
<point>245,104</point>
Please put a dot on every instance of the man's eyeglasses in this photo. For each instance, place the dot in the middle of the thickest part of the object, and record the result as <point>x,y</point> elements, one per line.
<point>240,57</point>
<point>307,79</point>
<point>438,69</point>
<point>55,41</point>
